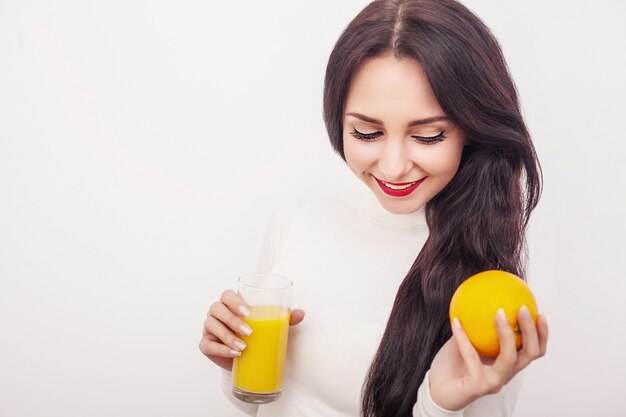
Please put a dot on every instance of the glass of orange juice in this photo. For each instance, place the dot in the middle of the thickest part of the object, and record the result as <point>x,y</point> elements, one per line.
<point>258,372</point>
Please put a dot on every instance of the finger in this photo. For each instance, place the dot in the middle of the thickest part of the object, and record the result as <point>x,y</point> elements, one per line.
<point>507,358</point>
<point>221,312</point>
<point>542,330</point>
<point>235,303</point>
<point>530,339</point>
<point>217,328</point>
<point>468,352</point>
<point>212,349</point>
<point>296,317</point>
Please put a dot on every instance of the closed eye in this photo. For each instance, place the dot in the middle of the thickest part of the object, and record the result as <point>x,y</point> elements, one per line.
<point>365,136</point>
<point>429,140</point>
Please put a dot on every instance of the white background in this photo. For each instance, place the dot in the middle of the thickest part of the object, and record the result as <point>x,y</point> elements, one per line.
<point>143,146</point>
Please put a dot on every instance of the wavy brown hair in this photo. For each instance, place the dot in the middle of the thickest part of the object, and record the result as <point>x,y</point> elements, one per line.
<point>478,221</point>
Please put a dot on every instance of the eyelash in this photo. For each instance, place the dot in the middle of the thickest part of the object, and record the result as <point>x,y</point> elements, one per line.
<point>426,140</point>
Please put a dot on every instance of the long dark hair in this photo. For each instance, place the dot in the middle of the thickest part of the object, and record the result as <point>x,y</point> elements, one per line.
<point>478,221</point>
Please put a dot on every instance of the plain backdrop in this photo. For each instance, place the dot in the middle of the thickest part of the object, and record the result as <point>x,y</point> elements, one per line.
<point>144,145</point>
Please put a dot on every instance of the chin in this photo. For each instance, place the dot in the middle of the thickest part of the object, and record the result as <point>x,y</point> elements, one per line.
<point>400,207</point>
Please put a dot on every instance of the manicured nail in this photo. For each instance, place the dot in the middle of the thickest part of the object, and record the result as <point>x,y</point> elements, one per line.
<point>245,329</point>
<point>501,316</point>
<point>456,323</point>
<point>235,353</point>
<point>239,344</point>
<point>525,311</point>
<point>244,310</point>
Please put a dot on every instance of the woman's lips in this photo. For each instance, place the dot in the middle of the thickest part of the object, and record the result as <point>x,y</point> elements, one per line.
<point>400,189</point>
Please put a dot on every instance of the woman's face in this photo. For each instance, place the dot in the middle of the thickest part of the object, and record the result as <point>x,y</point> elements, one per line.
<point>396,138</point>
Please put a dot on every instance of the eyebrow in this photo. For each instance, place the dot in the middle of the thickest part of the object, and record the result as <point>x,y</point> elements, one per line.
<point>411,124</point>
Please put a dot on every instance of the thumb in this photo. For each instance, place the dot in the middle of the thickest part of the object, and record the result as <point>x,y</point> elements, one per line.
<point>296,317</point>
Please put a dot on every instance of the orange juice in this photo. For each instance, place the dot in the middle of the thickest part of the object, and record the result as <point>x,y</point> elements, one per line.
<point>260,367</point>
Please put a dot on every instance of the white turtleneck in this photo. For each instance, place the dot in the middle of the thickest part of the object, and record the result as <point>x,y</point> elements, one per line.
<point>347,256</point>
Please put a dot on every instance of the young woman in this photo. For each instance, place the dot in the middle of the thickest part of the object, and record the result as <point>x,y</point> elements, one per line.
<point>420,105</point>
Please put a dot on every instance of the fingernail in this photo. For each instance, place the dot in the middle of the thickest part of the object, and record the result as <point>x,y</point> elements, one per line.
<point>245,329</point>
<point>525,311</point>
<point>456,323</point>
<point>501,316</point>
<point>244,310</point>
<point>235,353</point>
<point>239,344</point>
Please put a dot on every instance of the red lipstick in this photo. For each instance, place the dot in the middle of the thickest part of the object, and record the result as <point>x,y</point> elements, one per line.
<point>399,193</point>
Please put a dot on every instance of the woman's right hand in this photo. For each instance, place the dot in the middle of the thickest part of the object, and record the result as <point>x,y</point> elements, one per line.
<point>220,336</point>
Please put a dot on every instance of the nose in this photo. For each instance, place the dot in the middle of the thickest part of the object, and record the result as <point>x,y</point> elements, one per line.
<point>394,163</point>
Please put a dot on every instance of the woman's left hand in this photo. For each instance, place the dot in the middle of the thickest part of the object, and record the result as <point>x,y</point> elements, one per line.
<point>459,375</point>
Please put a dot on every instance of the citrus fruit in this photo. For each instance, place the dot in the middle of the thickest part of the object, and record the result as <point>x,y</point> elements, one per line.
<point>477,300</point>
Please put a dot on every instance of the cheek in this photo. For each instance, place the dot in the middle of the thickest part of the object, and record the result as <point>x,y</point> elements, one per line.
<point>359,156</point>
<point>348,153</point>
<point>441,161</point>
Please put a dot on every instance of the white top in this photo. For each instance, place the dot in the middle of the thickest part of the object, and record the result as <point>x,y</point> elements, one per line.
<point>347,257</point>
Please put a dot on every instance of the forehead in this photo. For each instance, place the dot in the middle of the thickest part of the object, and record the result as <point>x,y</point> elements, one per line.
<point>392,89</point>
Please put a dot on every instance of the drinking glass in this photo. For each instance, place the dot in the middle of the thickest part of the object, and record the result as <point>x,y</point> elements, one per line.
<point>258,372</point>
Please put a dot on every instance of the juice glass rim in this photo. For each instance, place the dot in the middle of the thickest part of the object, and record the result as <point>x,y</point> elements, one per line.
<point>288,283</point>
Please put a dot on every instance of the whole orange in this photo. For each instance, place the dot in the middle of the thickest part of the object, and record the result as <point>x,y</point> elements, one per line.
<point>477,300</point>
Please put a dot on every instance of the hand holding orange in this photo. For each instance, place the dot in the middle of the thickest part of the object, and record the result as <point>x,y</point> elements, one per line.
<point>477,300</point>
